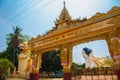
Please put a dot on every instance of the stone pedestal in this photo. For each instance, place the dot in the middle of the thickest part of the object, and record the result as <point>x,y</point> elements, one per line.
<point>34,76</point>
<point>118,74</point>
<point>67,76</point>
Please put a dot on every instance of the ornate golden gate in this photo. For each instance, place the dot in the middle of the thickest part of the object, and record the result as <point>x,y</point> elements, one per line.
<point>68,33</point>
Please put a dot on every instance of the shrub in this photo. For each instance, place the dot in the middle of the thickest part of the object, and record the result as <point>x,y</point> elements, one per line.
<point>4,65</point>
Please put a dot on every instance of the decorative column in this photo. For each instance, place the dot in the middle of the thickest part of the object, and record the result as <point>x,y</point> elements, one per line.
<point>113,40</point>
<point>39,60</point>
<point>66,61</point>
<point>34,75</point>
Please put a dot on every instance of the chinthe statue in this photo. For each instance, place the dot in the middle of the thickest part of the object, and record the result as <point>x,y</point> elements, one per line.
<point>91,61</point>
<point>25,62</point>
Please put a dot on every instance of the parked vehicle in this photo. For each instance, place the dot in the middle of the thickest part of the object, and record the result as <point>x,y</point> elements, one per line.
<point>57,75</point>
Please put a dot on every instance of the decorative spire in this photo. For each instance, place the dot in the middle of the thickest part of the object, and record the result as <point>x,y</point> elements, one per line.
<point>64,16</point>
<point>64,4</point>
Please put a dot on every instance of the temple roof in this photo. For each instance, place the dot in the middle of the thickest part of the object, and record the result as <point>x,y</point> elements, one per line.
<point>64,16</point>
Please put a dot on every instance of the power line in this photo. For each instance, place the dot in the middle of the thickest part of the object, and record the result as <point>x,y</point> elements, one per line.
<point>33,5</point>
<point>25,10</point>
<point>36,10</point>
<point>17,7</point>
<point>10,5</point>
<point>13,10</point>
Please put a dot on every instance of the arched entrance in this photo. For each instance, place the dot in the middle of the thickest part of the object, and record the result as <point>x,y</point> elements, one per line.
<point>51,65</point>
<point>68,33</point>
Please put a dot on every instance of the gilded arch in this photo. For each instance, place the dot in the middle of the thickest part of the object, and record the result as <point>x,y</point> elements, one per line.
<point>68,32</point>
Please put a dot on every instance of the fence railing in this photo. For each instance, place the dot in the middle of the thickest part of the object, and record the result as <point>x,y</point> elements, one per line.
<point>107,73</point>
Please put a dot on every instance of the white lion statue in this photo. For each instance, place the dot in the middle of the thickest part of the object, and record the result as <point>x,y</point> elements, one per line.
<point>25,62</point>
<point>92,61</point>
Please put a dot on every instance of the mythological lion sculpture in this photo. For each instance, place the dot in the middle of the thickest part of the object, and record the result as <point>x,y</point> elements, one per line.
<point>25,62</point>
<point>92,61</point>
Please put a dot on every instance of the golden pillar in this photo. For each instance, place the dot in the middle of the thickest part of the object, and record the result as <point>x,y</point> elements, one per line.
<point>39,60</point>
<point>34,75</point>
<point>113,41</point>
<point>66,60</point>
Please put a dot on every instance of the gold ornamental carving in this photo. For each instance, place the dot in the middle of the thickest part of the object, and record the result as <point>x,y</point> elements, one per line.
<point>66,57</point>
<point>68,32</point>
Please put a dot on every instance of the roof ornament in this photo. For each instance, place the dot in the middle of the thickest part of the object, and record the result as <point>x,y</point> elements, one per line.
<point>64,15</point>
<point>64,4</point>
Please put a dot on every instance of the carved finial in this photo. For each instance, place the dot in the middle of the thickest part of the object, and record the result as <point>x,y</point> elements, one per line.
<point>64,3</point>
<point>64,16</point>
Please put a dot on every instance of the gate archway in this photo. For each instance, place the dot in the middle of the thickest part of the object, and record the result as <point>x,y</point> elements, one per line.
<point>68,33</point>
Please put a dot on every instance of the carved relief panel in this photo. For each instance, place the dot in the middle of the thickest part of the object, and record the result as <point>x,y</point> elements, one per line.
<point>114,45</point>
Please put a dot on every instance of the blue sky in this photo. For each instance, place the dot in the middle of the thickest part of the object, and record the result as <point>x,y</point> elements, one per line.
<point>37,16</point>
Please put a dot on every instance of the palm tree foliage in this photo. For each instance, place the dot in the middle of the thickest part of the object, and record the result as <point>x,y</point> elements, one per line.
<point>13,40</point>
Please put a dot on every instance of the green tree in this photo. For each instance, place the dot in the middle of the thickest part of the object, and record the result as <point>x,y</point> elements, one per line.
<point>51,61</point>
<point>4,65</point>
<point>13,40</point>
<point>76,66</point>
<point>6,55</point>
